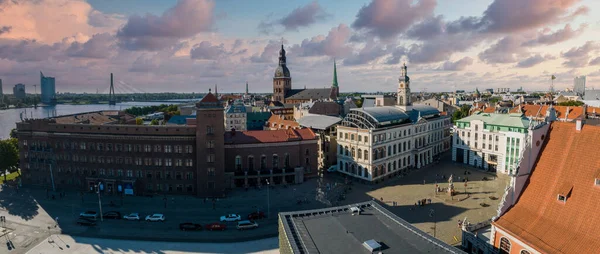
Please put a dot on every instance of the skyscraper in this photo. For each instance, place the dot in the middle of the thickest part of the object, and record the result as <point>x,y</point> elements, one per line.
<point>19,91</point>
<point>48,89</point>
<point>579,85</point>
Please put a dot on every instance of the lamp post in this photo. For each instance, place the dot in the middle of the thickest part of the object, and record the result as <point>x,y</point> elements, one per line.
<point>268,199</point>
<point>99,200</point>
<point>432,214</point>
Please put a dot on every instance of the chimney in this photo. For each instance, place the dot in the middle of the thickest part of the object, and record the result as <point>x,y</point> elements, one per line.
<point>578,124</point>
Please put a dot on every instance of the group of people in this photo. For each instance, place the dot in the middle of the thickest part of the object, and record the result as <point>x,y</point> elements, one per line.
<point>422,202</point>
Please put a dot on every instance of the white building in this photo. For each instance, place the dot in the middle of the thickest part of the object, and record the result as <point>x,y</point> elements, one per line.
<point>579,85</point>
<point>492,141</point>
<point>375,143</point>
<point>235,116</point>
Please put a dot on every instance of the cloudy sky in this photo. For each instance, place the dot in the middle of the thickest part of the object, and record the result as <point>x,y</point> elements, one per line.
<point>190,45</point>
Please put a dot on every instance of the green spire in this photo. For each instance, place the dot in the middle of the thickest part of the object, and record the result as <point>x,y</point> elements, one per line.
<point>335,83</point>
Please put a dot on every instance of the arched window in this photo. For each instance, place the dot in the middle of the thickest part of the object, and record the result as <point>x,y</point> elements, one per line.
<point>359,153</point>
<point>504,246</point>
<point>341,149</point>
<point>275,161</point>
<point>238,162</point>
<point>286,160</point>
<point>346,167</point>
<point>263,162</point>
<point>366,155</point>
<point>346,150</point>
<point>250,162</point>
<point>345,135</point>
<point>353,152</point>
<point>351,136</point>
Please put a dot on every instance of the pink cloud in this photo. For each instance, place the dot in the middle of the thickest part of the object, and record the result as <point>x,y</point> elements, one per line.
<point>387,19</point>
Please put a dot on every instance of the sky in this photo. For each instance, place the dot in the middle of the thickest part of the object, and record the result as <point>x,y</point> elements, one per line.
<point>191,45</point>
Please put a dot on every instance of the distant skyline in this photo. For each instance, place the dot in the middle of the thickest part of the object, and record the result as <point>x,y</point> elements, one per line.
<point>191,45</point>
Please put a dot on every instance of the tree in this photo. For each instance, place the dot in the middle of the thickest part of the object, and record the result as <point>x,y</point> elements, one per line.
<point>13,133</point>
<point>154,122</point>
<point>461,113</point>
<point>571,103</point>
<point>139,121</point>
<point>9,154</point>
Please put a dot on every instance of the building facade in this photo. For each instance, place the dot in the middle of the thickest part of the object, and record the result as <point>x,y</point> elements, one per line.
<point>235,116</point>
<point>491,141</point>
<point>579,86</point>
<point>83,150</point>
<point>375,143</point>
<point>48,89</point>
<point>19,91</point>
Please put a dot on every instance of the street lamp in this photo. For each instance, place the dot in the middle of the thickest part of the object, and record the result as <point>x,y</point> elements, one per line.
<point>268,199</point>
<point>99,200</point>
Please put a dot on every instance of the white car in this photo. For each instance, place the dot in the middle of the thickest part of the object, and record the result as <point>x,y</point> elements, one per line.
<point>155,217</point>
<point>332,169</point>
<point>231,217</point>
<point>132,216</point>
<point>89,215</point>
<point>246,224</point>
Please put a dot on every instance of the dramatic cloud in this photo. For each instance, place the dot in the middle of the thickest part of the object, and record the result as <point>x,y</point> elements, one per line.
<point>579,56</point>
<point>371,51</point>
<point>507,16</point>
<point>561,35</point>
<point>150,32</point>
<point>534,60</point>
<point>427,29</point>
<point>269,53</point>
<point>99,19</point>
<point>206,51</point>
<point>387,19</point>
<point>442,47</point>
<point>5,29</point>
<point>595,61</point>
<point>504,51</point>
<point>99,46</point>
<point>28,50</point>
<point>458,65</point>
<point>304,16</point>
<point>334,44</point>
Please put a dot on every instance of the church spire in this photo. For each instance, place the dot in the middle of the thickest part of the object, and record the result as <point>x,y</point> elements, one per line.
<point>335,82</point>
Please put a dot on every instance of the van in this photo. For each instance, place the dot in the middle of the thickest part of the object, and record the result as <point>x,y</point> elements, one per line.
<point>246,224</point>
<point>355,210</point>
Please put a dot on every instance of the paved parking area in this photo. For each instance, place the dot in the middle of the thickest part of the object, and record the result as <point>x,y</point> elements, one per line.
<point>32,216</point>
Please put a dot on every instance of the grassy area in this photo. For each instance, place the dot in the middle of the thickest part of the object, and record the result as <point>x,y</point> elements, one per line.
<point>10,176</point>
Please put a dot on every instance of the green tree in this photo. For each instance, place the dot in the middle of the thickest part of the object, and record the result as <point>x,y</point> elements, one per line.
<point>139,121</point>
<point>9,155</point>
<point>461,113</point>
<point>154,122</point>
<point>571,103</point>
<point>13,133</point>
<point>359,103</point>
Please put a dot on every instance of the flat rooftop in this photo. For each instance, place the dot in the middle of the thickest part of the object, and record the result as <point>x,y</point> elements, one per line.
<point>95,118</point>
<point>336,230</point>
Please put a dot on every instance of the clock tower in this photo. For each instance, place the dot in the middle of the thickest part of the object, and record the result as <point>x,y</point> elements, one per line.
<point>404,98</point>
<point>282,80</point>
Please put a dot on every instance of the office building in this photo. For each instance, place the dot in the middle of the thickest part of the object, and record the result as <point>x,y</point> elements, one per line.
<point>579,86</point>
<point>357,228</point>
<point>235,116</point>
<point>19,91</point>
<point>376,143</point>
<point>48,89</point>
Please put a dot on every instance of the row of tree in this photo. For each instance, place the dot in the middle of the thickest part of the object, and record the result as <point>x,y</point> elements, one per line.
<point>9,155</point>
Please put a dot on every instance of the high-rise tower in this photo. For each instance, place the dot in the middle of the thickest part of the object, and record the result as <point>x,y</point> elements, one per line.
<point>404,98</point>
<point>282,80</point>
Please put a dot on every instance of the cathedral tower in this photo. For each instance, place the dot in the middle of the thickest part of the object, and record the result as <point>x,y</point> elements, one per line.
<point>404,98</point>
<point>282,80</point>
<point>335,89</point>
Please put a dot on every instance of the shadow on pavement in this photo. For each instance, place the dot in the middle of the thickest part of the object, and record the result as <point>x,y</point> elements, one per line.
<point>19,203</point>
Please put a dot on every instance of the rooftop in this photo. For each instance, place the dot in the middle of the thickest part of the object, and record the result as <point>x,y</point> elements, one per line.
<point>268,136</point>
<point>307,94</point>
<point>95,118</point>
<point>336,230</point>
<point>318,122</point>
<point>510,120</point>
<point>537,111</point>
<point>568,161</point>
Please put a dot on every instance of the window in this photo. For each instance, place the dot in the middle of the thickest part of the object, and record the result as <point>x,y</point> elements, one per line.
<point>504,246</point>
<point>147,148</point>
<point>168,162</point>
<point>286,162</point>
<point>189,162</point>
<point>210,130</point>
<point>178,149</point>
<point>149,174</point>
<point>210,171</point>
<point>496,148</point>
<point>352,137</point>
<point>157,148</point>
<point>158,175</point>
<point>178,175</point>
<point>119,172</point>
<point>275,161</point>
<point>476,128</point>
<point>189,149</point>
<point>102,172</point>
<point>250,162</point>
<point>359,153</point>
<point>366,155</point>
<point>345,135</point>
<point>178,162</point>
<point>366,139</point>
<point>168,148</point>
<point>359,138</point>
<point>263,162</point>
<point>562,198</point>
<point>189,176</point>
<point>210,144</point>
<point>238,163</point>
<point>128,147</point>
<point>148,161</point>
<point>597,182</point>
<point>468,134</point>
<point>306,152</point>
<point>129,173</point>
<point>139,174</point>
<point>210,158</point>
<point>157,162</point>
<point>497,139</point>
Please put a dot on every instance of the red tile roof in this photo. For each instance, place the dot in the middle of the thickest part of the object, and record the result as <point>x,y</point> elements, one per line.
<point>281,121</point>
<point>591,110</point>
<point>209,98</point>
<point>268,136</point>
<point>534,111</point>
<point>569,163</point>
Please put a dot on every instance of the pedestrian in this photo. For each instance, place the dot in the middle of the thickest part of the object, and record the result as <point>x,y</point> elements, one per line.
<point>381,199</point>
<point>56,219</point>
<point>423,181</point>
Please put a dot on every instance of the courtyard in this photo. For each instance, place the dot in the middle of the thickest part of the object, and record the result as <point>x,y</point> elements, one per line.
<point>31,213</point>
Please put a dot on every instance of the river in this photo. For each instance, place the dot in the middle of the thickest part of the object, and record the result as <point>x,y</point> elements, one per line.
<point>9,117</point>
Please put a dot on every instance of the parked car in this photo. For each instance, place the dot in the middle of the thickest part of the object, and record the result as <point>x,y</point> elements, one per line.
<point>156,217</point>
<point>188,226</point>
<point>332,169</point>
<point>256,215</point>
<point>216,226</point>
<point>231,217</point>
<point>246,224</point>
<point>112,215</point>
<point>89,214</point>
<point>86,222</point>
<point>132,216</point>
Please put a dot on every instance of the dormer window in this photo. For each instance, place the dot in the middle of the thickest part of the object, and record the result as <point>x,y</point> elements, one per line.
<point>597,182</point>
<point>564,192</point>
<point>562,198</point>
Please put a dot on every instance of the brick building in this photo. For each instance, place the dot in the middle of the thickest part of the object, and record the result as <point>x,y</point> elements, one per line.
<point>80,151</point>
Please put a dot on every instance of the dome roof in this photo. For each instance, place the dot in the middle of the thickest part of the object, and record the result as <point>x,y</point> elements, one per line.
<point>282,72</point>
